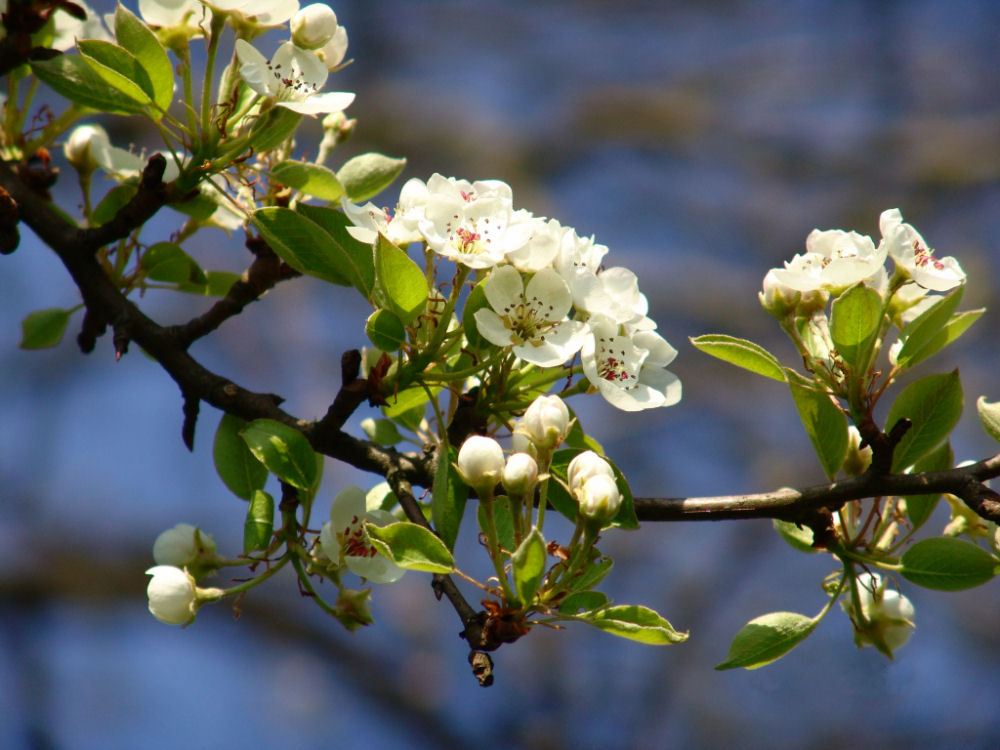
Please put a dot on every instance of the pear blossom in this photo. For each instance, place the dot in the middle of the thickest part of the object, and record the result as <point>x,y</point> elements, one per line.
<point>344,540</point>
<point>172,595</point>
<point>545,422</point>
<point>888,615</point>
<point>471,223</point>
<point>292,78</point>
<point>542,246</point>
<point>530,318</point>
<point>628,370</point>
<point>834,260</point>
<point>583,467</point>
<point>313,26</point>
<point>334,51</point>
<point>89,146</point>
<point>182,545</point>
<point>167,14</point>
<point>613,293</point>
<point>67,29</point>
<point>520,474</point>
<point>399,226</point>
<point>914,257</point>
<point>599,499</point>
<point>480,463</point>
<point>258,12</point>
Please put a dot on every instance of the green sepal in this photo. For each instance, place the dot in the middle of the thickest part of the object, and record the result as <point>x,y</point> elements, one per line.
<point>284,451</point>
<point>236,466</point>
<point>825,422</point>
<point>259,522</point>
<point>933,405</point>
<point>411,546</point>
<point>742,353</point>
<point>948,564</point>
<point>767,638</point>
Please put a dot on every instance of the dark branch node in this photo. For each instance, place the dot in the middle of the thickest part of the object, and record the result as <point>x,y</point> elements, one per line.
<point>192,404</point>
<point>94,326</point>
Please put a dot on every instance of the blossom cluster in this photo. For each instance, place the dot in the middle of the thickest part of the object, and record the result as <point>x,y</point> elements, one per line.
<point>550,298</point>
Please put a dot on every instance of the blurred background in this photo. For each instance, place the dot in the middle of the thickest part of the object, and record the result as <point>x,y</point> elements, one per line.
<point>701,141</point>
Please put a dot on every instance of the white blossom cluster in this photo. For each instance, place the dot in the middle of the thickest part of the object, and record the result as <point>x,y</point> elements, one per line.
<point>550,298</point>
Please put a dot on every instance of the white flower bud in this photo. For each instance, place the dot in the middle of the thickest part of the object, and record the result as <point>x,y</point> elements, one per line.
<point>334,51</point>
<point>172,595</point>
<point>599,498</point>
<point>313,26</point>
<point>545,423</point>
<point>182,545</point>
<point>520,474</point>
<point>480,463</point>
<point>889,615</point>
<point>84,145</point>
<point>584,466</point>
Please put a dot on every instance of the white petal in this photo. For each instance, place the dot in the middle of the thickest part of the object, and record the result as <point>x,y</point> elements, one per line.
<point>549,286</point>
<point>560,344</point>
<point>492,328</point>
<point>504,288</point>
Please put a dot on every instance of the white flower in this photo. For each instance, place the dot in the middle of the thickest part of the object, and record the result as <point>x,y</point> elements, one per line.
<point>80,147</point>
<point>912,255</point>
<point>530,319</point>
<point>834,260</point>
<point>259,12</point>
<point>578,255</point>
<point>888,613</point>
<point>542,246</point>
<point>172,595</point>
<point>480,463</point>
<point>584,467</point>
<point>471,223</point>
<point>91,143</point>
<point>181,545</point>
<point>545,422</point>
<point>313,26</point>
<point>69,28</point>
<point>599,499</point>
<point>399,226</point>
<point>520,474</point>
<point>292,78</point>
<point>334,51</point>
<point>628,370</point>
<point>613,293</point>
<point>172,13</point>
<point>345,541</point>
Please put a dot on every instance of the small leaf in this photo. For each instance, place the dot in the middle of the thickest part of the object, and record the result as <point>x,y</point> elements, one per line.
<point>385,330</point>
<point>113,202</point>
<point>357,256</point>
<point>366,175</point>
<point>274,128</point>
<point>529,562</point>
<point>854,325</point>
<point>71,77</point>
<point>742,353</point>
<point>595,571</point>
<point>636,623</point>
<point>917,334</point>
<point>767,638</point>
<point>502,519</point>
<point>216,284</point>
<point>137,38</point>
<point>948,564</point>
<point>381,431</point>
<point>920,507</point>
<point>989,415</point>
<point>284,451</point>
<point>412,547</point>
<point>400,285</point>
<point>301,243</point>
<point>168,262</point>
<point>43,328</point>
<point>239,470</point>
<point>311,179</point>
<point>407,400</point>
<point>582,601</point>
<point>118,67</point>
<point>475,301</point>
<point>259,522</point>
<point>798,537</point>
<point>448,498</point>
<point>824,421</point>
<point>933,404</point>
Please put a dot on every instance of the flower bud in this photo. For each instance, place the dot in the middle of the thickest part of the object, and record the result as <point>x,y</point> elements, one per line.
<point>599,499</point>
<point>313,26</point>
<point>480,463</point>
<point>858,459</point>
<point>584,466</point>
<point>172,595</point>
<point>889,615</point>
<point>84,145</point>
<point>520,475</point>
<point>545,423</point>
<point>777,298</point>
<point>182,545</point>
<point>334,51</point>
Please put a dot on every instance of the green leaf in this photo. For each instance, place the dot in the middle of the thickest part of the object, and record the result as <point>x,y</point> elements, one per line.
<point>239,470</point>
<point>582,601</point>
<point>933,404</point>
<point>385,330</point>
<point>216,284</point>
<point>284,451</point>
<point>311,179</point>
<point>948,564</point>
<point>529,563</point>
<point>406,400</point>
<point>767,638</point>
<point>381,431</point>
<point>302,244</point>
<point>118,67</point>
<point>989,415</point>
<point>958,324</point>
<point>137,38</point>
<point>356,256</point>
<point>595,571</point>
<point>854,325</point>
<point>636,623</point>
<point>273,129</point>
<point>824,421</point>
<point>475,301</point>
<point>366,175</point>
<point>920,507</point>
<point>412,547</point>
<point>71,77</point>
<point>42,329</point>
<point>448,498</point>
<point>742,353</point>
<point>400,285</point>
<point>168,262</point>
<point>259,522</point>
<point>798,537</point>
<point>113,202</point>
<point>577,438</point>
<point>919,332</point>
<point>502,518</point>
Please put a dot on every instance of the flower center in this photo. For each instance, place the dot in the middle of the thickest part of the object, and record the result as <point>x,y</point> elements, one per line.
<point>529,321</point>
<point>354,540</point>
<point>615,364</point>
<point>468,236</point>
<point>923,256</point>
<point>292,86</point>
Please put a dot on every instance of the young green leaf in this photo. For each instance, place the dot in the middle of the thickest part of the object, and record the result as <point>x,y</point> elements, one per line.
<point>948,564</point>
<point>366,175</point>
<point>919,332</point>
<point>767,638</point>
<point>259,522</point>
<point>302,244</point>
<point>989,415</point>
<point>920,507</point>
<point>284,451</point>
<point>168,262</point>
<point>933,404</point>
<point>113,202</point>
<point>854,325</point>
<point>137,38</point>
<point>798,537</point>
<point>119,68</point>
<point>742,353</point>
<point>385,331</point>
<point>42,329</point>
<point>529,562</point>
<point>71,76</point>
<point>273,128</point>
<point>636,623</point>
<point>502,520</point>
<point>475,301</point>
<point>591,574</point>
<point>582,601</point>
<point>412,547</point>
<point>448,498</point>
<point>311,179</point>
<point>357,256</point>
<point>400,285</point>
<point>823,419</point>
<point>239,470</point>
<point>381,431</point>
<point>216,284</point>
